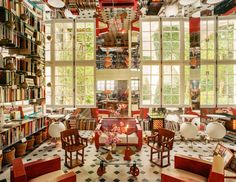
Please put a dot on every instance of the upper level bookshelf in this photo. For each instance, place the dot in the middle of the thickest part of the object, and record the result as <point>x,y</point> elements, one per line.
<point>21,27</point>
<point>22,71</point>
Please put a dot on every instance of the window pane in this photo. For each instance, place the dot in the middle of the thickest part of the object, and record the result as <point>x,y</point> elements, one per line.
<point>150,85</point>
<point>171,84</point>
<point>85,85</point>
<point>63,86</point>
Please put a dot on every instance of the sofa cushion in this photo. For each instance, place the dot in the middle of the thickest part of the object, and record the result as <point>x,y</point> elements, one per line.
<point>49,177</point>
<point>133,138</point>
<point>183,175</point>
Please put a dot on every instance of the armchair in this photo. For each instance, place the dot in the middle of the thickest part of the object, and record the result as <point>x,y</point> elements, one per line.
<point>188,169</point>
<point>73,142</point>
<point>161,143</point>
<point>50,170</point>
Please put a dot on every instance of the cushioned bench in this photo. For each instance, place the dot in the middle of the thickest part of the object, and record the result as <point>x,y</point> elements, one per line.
<point>134,139</point>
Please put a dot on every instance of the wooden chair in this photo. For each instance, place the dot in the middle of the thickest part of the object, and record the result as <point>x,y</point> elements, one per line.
<point>161,143</point>
<point>73,142</point>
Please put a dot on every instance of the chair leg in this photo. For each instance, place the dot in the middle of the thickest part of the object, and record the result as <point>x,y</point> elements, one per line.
<point>65,158</point>
<point>82,156</point>
<point>168,157</point>
<point>151,155</point>
<point>161,158</point>
<point>71,159</point>
<point>77,155</point>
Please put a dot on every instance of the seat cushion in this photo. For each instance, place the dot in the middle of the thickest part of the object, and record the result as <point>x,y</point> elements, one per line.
<point>183,175</point>
<point>132,138</point>
<point>49,177</point>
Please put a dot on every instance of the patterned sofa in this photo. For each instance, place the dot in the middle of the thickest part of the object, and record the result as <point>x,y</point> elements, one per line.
<point>134,139</point>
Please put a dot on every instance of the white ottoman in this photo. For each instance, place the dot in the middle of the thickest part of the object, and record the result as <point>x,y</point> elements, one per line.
<point>188,130</point>
<point>55,129</point>
<point>215,130</point>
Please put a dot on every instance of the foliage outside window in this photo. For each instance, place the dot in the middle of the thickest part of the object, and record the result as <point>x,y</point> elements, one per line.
<point>186,85</point>
<point>226,94</point>
<point>150,85</point>
<point>227,39</point>
<point>63,85</point>
<point>207,85</point>
<point>151,40</point>
<point>171,85</point>
<point>171,40</point>
<point>186,41</point>
<point>85,85</point>
<point>84,41</point>
<point>63,41</point>
<point>207,39</point>
<point>69,34</point>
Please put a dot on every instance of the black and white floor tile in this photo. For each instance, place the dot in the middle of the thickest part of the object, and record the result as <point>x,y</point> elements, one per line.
<point>120,171</point>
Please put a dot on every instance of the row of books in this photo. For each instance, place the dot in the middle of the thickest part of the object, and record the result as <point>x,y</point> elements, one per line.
<point>22,11</point>
<point>12,95</point>
<point>15,39</point>
<point>20,64</point>
<point>13,135</point>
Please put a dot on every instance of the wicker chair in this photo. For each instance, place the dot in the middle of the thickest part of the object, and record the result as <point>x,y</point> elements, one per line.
<point>73,142</point>
<point>161,143</point>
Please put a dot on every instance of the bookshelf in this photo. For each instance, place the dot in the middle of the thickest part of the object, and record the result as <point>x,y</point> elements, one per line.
<point>22,71</point>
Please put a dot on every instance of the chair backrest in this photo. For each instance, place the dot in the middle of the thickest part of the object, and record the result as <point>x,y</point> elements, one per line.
<point>71,136</point>
<point>165,135</point>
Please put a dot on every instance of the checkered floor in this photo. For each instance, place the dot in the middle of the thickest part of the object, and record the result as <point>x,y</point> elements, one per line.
<point>119,171</point>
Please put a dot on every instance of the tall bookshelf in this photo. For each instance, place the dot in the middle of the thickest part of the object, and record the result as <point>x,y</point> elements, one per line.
<point>22,71</point>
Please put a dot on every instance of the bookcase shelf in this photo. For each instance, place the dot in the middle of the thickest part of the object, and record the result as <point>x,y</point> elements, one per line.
<point>22,71</point>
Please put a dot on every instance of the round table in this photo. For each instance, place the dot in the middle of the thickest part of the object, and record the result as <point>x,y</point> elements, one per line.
<point>56,127</point>
<point>215,129</point>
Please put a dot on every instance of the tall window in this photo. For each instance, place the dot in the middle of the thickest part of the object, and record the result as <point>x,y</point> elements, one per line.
<point>207,85</point>
<point>63,86</point>
<point>85,41</point>
<point>166,62</point>
<point>73,71</point>
<point>186,85</point>
<point>150,85</point>
<point>171,40</point>
<point>63,41</point>
<point>227,39</point>
<point>226,78</point>
<point>207,39</point>
<point>85,85</point>
<point>171,85</point>
<point>226,84</point>
<point>151,40</point>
